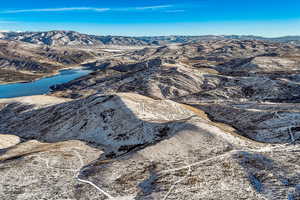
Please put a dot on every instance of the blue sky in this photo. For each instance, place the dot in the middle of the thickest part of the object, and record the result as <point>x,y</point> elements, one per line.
<point>154,17</point>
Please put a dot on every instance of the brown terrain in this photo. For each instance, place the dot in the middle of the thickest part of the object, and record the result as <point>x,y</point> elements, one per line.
<point>208,119</point>
<point>22,62</point>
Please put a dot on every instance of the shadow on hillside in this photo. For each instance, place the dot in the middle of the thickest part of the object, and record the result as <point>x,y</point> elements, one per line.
<point>268,125</point>
<point>268,177</point>
<point>104,121</point>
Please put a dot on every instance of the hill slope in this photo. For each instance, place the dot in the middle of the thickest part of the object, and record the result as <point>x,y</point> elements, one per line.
<point>21,61</point>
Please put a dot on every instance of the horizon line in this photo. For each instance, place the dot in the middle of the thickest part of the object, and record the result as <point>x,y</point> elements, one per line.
<point>169,35</point>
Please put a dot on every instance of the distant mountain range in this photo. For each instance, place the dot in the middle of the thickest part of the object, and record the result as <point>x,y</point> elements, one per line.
<point>72,38</point>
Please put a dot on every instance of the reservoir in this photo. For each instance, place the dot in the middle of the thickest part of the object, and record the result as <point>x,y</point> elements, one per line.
<point>41,86</point>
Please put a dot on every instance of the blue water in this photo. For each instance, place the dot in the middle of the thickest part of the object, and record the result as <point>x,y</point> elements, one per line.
<point>41,86</point>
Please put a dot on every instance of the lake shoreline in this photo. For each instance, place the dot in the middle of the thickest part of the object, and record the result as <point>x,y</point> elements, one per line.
<point>42,85</point>
<point>56,72</point>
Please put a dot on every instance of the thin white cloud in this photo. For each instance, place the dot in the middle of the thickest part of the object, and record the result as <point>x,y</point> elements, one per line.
<point>153,7</point>
<point>88,9</point>
<point>57,10</point>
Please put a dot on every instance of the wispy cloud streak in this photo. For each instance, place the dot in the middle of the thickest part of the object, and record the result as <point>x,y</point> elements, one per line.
<point>68,9</point>
<point>153,7</point>
<point>58,10</point>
